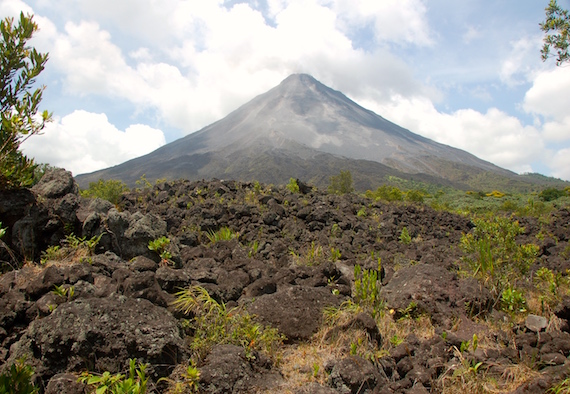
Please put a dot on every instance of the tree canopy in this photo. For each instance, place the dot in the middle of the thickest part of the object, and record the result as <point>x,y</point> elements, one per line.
<point>20,65</point>
<point>556,26</point>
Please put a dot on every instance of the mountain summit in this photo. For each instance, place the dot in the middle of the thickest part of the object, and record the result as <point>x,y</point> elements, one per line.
<point>301,128</point>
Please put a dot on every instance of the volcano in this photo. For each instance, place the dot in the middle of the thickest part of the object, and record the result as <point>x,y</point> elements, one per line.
<point>304,129</point>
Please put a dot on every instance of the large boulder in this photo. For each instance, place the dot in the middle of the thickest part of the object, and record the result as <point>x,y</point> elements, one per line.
<point>131,233</point>
<point>295,311</point>
<point>101,334</point>
<point>56,183</point>
<point>228,370</point>
<point>431,289</point>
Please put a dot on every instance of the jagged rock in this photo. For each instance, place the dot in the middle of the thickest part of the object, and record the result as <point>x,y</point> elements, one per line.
<point>65,383</point>
<point>536,323</point>
<point>56,183</point>
<point>353,374</point>
<point>101,334</point>
<point>131,233</point>
<point>227,370</point>
<point>423,288</point>
<point>296,311</point>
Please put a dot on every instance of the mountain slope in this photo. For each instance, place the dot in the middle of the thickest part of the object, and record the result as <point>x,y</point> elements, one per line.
<point>301,128</point>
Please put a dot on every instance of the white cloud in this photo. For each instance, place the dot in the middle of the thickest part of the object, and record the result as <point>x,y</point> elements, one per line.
<point>561,164</point>
<point>84,142</point>
<point>513,145</point>
<point>548,95</point>
<point>522,61</point>
<point>393,20</point>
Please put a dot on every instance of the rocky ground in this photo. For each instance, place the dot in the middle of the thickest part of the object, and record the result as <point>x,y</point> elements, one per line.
<point>431,328</point>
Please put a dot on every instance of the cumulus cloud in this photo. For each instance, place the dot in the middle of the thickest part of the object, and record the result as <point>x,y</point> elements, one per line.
<point>513,146</point>
<point>560,162</point>
<point>84,142</point>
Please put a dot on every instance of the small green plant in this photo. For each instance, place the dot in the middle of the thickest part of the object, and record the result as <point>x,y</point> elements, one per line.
<point>353,348</point>
<point>316,369</point>
<point>562,387</point>
<point>214,324</point>
<point>73,241</point>
<point>190,383</point>
<point>335,254</point>
<point>143,183</point>
<point>361,212</point>
<point>405,236</point>
<point>2,230</point>
<point>395,340</point>
<point>64,292</point>
<point>51,253</point>
<point>18,379</point>
<point>367,289</point>
<point>136,383</point>
<point>223,234</point>
<point>292,186</point>
<point>160,246</point>
<point>253,248</point>
<point>93,242</point>
<point>336,231</point>
<point>513,300</point>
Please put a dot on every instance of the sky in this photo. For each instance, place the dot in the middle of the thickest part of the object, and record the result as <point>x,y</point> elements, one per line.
<point>124,77</point>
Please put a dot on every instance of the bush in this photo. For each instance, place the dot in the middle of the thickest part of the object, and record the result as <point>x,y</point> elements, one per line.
<point>341,183</point>
<point>293,186</point>
<point>214,324</point>
<point>20,65</point>
<point>493,253</point>
<point>551,194</point>
<point>110,190</point>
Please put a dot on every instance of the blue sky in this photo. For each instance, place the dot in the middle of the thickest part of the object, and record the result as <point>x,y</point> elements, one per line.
<point>125,77</point>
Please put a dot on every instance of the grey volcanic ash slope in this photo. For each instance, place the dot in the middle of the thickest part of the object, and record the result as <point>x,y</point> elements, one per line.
<point>301,123</point>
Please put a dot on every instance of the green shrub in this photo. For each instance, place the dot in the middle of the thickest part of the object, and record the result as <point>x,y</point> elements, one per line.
<point>551,194</point>
<point>493,254</point>
<point>405,237</point>
<point>293,186</point>
<point>214,324</point>
<point>341,183</point>
<point>367,289</point>
<point>18,379</point>
<point>110,190</point>
<point>223,234</point>
<point>386,193</point>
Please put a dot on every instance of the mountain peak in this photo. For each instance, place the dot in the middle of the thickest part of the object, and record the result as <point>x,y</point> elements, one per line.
<point>299,120</point>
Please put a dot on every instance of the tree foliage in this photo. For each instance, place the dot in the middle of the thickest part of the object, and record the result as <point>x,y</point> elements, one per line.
<point>20,65</point>
<point>341,183</point>
<point>556,26</point>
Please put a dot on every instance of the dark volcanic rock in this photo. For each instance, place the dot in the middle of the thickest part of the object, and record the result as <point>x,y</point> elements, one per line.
<point>101,334</point>
<point>353,375</point>
<point>296,311</point>
<point>56,183</point>
<point>430,289</point>
<point>227,370</point>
